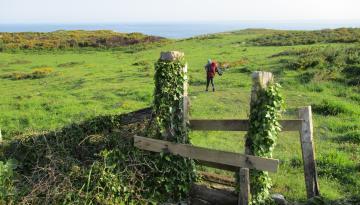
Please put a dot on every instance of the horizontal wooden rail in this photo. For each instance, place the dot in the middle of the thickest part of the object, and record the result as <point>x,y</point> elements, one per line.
<point>238,125</point>
<point>207,155</point>
<point>218,179</point>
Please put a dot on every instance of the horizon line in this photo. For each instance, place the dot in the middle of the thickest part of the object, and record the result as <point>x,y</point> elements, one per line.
<point>196,21</point>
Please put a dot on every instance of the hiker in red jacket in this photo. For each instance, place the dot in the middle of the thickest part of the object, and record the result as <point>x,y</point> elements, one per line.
<point>210,68</point>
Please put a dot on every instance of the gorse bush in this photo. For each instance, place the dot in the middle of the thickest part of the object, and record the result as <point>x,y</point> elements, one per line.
<point>232,64</point>
<point>280,38</point>
<point>72,39</point>
<point>41,72</point>
<point>35,74</point>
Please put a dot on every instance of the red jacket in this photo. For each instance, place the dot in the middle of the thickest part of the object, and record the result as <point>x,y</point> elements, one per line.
<point>211,70</point>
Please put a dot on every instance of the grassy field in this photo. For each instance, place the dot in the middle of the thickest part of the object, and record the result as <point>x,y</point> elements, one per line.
<point>75,85</point>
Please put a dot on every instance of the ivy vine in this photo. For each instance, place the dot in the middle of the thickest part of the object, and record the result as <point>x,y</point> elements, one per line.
<point>262,136</point>
<point>178,172</point>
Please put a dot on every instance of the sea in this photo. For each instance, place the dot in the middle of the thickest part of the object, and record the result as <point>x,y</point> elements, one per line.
<point>178,30</point>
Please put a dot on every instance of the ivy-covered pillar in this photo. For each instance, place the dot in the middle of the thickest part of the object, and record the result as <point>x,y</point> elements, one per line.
<point>170,97</point>
<point>171,119</point>
<point>265,109</point>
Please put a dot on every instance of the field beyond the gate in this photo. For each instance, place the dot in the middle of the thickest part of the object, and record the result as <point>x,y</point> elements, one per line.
<point>45,90</point>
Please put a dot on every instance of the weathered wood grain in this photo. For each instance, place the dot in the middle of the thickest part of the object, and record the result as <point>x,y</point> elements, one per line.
<point>308,153</point>
<point>238,125</point>
<point>207,155</point>
<point>244,194</point>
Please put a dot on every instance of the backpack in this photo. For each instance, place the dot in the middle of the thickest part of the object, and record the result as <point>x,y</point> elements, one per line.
<point>212,67</point>
<point>220,71</point>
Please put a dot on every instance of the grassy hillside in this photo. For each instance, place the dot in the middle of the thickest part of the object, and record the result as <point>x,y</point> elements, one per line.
<point>44,90</point>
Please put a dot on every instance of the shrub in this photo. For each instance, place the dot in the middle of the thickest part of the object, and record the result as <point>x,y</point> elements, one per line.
<point>306,77</point>
<point>232,64</point>
<point>7,188</point>
<point>355,98</point>
<point>329,108</point>
<point>41,72</point>
<point>338,64</point>
<point>280,38</point>
<point>35,74</point>
<point>17,76</point>
<point>352,73</point>
<point>73,39</point>
<point>305,62</point>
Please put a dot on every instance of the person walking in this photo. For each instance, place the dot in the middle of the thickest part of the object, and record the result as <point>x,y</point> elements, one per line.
<point>211,68</point>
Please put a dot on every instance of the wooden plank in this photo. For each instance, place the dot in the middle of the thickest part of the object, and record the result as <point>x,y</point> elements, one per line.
<point>244,194</point>
<point>201,195</point>
<point>218,179</point>
<point>238,125</point>
<point>208,155</point>
<point>308,153</point>
<point>218,166</point>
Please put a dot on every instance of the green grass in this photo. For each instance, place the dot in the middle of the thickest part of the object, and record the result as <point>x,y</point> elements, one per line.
<point>85,84</point>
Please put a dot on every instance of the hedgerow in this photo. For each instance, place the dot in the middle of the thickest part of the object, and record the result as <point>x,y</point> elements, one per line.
<point>341,35</point>
<point>72,39</point>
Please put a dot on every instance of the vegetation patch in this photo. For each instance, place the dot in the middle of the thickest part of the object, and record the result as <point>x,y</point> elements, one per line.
<point>144,67</point>
<point>72,39</point>
<point>93,162</point>
<point>7,183</point>
<point>19,62</point>
<point>71,64</point>
<point>232,64</point>
<point>351,137</point>
<point>142,63</point>
<point>341,35</point>
<point>338,64</point>
<point>327,107</point>
<point>169,124</point>
<point>35,74</point>
<point>336,165</point>
<point>352,73</point>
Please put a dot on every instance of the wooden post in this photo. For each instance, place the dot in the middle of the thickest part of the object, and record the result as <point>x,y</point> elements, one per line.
<point>174,56</point>
<point>186,102</point>
<point>244,194</point>
<point>261,80</point>
<point>308,154</point>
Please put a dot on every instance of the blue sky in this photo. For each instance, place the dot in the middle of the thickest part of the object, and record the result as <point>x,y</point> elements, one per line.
<point>93,11</point>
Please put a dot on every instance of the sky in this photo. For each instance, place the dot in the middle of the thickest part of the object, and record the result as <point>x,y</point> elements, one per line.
<point>112,11</point>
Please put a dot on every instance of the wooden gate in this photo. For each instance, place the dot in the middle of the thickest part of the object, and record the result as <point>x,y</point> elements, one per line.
<point>240,163</point>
